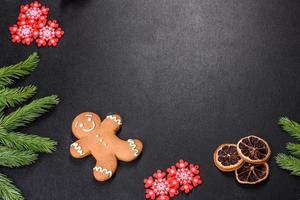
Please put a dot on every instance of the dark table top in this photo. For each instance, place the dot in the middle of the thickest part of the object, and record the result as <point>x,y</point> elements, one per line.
<point>186,75</point>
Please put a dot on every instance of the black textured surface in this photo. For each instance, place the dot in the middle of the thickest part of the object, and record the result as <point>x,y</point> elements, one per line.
<point>186,75</point>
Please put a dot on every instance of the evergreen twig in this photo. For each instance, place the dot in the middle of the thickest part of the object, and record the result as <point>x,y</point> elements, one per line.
<point>7,190</point>
<point>19,149</point>
<point>294,149</point>
<point>22,141</point>
<point>15,96</point>
<point>289,163</point>
<point>28,113</point>
<point>290,126</point>
<point>15,158</point>
<point>7,74</point>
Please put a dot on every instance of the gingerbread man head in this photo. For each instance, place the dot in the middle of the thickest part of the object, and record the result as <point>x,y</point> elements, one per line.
<point>100,139</point>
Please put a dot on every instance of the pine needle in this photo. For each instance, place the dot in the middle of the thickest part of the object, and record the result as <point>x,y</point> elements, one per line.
<point>28,113</point>
<point>7,74</point>
<point>289,163</point>
<point>290,126</point>
<point>7,190</point>
<point>15,96</point>
<point>22,141</point>
<point>294,149</point>
<point>15,158</point>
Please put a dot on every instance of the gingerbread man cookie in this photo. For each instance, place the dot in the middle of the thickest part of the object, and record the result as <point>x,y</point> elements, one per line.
<point>99,139</point>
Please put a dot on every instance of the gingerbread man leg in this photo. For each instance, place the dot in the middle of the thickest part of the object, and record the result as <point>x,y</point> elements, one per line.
<point>79,149</point>
<point>105,167</point>
<point>128,150</point>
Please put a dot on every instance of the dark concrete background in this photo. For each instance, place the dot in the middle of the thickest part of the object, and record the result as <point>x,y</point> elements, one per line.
<point>186,75</point>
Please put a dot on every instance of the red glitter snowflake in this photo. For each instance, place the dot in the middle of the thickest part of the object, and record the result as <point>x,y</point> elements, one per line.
<point>34,13</point>
<point>32,26</point>
<point>186,175</point>
<point>49,34</point>
<point>23,34</point>
<point>159,187</point>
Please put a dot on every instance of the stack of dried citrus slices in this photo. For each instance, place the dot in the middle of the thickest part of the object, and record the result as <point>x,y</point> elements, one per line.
<point>248,158</point>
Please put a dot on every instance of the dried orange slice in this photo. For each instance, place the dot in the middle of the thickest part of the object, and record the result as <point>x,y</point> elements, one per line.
<point>252,173</point>
<point>253,149</point>
<point>226,158</point>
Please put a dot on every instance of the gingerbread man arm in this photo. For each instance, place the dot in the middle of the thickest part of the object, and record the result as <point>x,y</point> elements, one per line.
<point>79,149</point>
<point>106,166</point>
<point>128,150</point>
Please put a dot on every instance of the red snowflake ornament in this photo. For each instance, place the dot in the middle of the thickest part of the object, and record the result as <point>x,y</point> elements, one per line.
<point>34,13</point>
<point>49,34</point>
<point>186,175</point>
<point>159,187</point>
<point>23,34</point>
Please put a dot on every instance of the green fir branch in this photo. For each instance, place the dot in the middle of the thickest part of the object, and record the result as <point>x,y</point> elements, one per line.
<point>22,141</point>
<point>15,158</point>
<point>9,73</point>
<point>289,163</point>
<point>294,149</point>
<point>12,97</point>
<point>18,148</point>
<point>28,113</point>
<point>290,126</point>
<point>7,189</point>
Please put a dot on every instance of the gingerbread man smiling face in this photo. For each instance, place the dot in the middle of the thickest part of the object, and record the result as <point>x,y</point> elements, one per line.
<point>99,139</point>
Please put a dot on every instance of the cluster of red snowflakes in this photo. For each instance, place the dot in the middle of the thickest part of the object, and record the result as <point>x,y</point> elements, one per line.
<point>33,25</point>
<point>181,176</point>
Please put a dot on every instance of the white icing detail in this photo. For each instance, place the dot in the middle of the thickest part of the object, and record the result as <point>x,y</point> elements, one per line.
<point>102,141</point>
<point>90,129</point>
<point>133,146</point>
<point>103,170</point>
<point>81,125</point>
<point>114,118</point>
<point>78,148</point>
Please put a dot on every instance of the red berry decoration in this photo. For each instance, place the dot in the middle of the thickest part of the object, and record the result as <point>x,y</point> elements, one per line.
<point>187,175</point>
<point>160,188</point>
<point>32,26</point>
